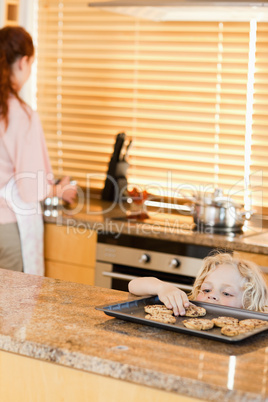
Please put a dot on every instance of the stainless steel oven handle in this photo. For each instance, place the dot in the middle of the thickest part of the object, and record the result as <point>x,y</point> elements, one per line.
<point>119,276</point>
<point>130,277</point>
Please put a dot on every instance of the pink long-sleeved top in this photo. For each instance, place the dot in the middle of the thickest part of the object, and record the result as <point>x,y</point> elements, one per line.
<point>23,154</point>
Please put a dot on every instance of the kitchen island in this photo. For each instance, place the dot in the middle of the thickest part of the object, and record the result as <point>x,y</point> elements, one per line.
<point>55,346</point>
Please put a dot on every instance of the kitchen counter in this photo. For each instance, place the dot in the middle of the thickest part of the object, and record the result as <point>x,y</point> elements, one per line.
<point>104,216</point>
<point>56,321</point>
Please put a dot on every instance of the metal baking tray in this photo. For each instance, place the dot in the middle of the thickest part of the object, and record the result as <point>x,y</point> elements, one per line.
<point>134,311</point>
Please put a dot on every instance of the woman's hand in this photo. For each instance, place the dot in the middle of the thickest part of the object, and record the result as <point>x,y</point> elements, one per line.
<point>173,298</point>
<point>66,190</point>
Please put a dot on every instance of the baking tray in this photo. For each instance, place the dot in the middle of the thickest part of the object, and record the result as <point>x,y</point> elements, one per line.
<point>134,311</point>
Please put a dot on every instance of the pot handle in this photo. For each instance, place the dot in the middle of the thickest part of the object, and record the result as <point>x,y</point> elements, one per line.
<point>247,214</point>
<point>191,206</point>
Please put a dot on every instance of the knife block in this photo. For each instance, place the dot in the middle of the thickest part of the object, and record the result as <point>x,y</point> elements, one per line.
<point>121,178</point>
<point>110,190</point>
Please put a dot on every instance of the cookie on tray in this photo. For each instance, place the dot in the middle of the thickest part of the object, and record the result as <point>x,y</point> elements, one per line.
<point>198,323</point>
<point>157,309</point>
<point>222,321</point>
<point>233,330</point>
<point>164,318</point>
<point>195,311</point>
<point>260,323</point>
<point>252,323</point>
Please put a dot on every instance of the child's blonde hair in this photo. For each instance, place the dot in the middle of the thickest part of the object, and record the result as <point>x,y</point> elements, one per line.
<point>255,295</point>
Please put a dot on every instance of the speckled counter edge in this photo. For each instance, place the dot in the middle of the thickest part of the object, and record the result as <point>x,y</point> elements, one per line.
<point>96,365</point>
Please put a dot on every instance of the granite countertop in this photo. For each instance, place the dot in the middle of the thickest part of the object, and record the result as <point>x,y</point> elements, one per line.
<point>56,321</point>
<point>104,216</point>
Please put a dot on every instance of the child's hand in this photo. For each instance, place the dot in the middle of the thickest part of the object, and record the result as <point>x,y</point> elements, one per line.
<point>173,298</point>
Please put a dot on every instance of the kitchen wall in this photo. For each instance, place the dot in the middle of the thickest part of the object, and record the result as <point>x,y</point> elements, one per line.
<point>179,89</point>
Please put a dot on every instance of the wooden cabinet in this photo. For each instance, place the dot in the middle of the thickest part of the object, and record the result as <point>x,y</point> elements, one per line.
<point>70,254</point>
<point>259,259</point>
<point>43,381</point>
<point>11,12</point>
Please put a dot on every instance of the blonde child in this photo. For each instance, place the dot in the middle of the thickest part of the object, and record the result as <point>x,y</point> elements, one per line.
<point>222,280</point>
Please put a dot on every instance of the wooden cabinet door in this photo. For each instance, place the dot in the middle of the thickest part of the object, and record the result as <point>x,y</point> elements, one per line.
<point>70,254</point>
<point>260,259</point>
<point>67,244</point>
<point>70,272</point>
<point>11,12</point>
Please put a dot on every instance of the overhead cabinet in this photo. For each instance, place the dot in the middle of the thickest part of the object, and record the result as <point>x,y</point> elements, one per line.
<point>11,12</point>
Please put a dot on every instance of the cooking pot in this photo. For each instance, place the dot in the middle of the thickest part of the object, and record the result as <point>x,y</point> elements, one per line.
<point>219,212</point>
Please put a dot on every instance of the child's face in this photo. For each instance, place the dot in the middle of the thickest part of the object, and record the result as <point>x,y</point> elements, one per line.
<point>222,286</point>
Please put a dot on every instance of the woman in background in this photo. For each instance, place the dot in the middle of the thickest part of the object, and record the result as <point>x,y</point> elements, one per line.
<point>26,176</point>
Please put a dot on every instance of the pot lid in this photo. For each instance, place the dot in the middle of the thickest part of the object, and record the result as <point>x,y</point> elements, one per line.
<point>217,199</point>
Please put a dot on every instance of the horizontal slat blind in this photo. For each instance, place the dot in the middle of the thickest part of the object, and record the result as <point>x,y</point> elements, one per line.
<point>259,155</point>
<point>179,89</point>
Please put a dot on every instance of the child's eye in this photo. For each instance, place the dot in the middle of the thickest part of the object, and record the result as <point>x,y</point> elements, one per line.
<point>205,290</point>
<point>227,294</point>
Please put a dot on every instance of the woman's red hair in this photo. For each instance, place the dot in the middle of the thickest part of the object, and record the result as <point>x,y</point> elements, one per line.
<point>15,42</point>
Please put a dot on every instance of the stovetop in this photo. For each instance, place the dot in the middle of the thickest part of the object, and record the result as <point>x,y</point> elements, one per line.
<point>186,224</point>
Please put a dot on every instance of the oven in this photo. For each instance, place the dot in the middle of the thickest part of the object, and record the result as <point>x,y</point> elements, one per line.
<point>125,257</point>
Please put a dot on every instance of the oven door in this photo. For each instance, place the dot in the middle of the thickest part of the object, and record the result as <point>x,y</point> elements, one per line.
<point>115,276</point>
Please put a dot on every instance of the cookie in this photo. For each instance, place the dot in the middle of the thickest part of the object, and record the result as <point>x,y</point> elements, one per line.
<point>157,309</point>
<point>194,311</point>
<point>222,321</point>
<point>198,323</point>
<point>260,323</point>
<point>164,318</point>
<point>252,323</point>
<point>193,323</point>
<point>233,330</point>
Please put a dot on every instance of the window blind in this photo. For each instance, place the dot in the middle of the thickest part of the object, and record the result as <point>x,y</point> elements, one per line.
<point>259,148</point>
<point>178,89</point>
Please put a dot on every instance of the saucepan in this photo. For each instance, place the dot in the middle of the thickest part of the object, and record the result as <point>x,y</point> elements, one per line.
<point>218,211</point>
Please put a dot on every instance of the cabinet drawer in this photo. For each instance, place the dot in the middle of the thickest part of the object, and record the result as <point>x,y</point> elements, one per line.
<point>65,244</point>
<point>70,273</point>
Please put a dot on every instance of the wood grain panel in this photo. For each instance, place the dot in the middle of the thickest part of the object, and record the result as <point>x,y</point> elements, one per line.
<point>69,272</point>
<point>70,245</point>
<point>259,259</point>
<point>36,380</point>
